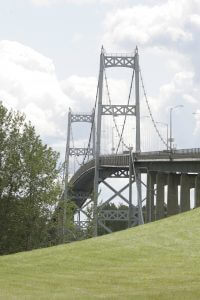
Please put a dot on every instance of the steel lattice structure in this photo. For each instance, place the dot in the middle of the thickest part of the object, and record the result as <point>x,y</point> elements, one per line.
<point>162,168</point>
<point>99,214</point>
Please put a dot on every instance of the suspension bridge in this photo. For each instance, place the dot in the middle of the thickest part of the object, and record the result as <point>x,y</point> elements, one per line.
<point>155,183</point>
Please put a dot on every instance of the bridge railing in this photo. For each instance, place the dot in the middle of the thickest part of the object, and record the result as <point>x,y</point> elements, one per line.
<point>84,168</point>
<point>123,159</point>
<point>114,160</point>
<point>187,151</point>
<point>173,152</point>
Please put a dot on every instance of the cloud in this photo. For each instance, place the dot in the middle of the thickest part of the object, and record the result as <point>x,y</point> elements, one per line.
<point>167,33</point>
<point>74,2</point>
<point>161,24</point>
<point>29,84</point>
<point>77,38</point>
<point>81,90</point>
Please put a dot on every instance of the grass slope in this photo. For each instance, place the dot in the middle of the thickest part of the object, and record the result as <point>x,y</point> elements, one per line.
<point>160,260</point>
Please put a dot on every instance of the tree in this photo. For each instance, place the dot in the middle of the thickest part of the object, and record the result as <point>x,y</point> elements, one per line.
<point>29,186</point>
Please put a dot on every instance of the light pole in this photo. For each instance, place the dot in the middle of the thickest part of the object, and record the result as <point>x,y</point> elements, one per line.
<point>165,124</point>
<point>171,139</point>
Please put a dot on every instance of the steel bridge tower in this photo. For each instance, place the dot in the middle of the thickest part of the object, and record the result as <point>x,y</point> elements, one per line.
<point>71,151</point>
<point>115,61</point>
<point>134,214</point>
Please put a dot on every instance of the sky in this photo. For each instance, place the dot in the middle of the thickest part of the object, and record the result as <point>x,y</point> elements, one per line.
<point>49,61</point>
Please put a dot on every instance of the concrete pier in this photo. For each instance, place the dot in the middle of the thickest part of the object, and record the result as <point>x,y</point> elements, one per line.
<point>150,209</point>
<point>197,191</point>
<point>187,182</point>
<point>156,182</point>
<point>172,195</point>
<point>161,181</point>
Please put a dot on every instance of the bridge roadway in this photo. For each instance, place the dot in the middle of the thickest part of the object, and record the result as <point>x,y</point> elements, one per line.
<point>178,161</point>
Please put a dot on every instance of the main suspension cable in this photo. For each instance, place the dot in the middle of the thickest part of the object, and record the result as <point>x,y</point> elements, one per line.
<point>149,109</point>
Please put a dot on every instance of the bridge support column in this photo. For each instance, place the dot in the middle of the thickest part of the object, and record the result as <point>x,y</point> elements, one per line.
<point>98,143</point>
<point>172,195</point>
<point>130,206</point>
<point>197,191</point>
<point>185,192</point>
<point>150,210</point>
<point>66,190</point>
<point>161,181</point>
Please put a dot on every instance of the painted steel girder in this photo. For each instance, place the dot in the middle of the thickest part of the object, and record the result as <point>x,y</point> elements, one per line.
<point>120,174</point>
<point>114,215</point>
<point>118,110</point>
<point>82,118</point>
<point>124,61</point>
<point>80,151</point>
<point>81,224</point>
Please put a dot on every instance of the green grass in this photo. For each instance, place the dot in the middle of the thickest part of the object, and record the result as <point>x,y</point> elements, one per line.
<point>160,260</point>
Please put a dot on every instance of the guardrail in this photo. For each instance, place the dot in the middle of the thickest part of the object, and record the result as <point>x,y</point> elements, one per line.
<point>171,152</point>
<point>122,160</point>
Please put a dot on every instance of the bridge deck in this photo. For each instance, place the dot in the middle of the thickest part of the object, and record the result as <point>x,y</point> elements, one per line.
<point>187,160</point>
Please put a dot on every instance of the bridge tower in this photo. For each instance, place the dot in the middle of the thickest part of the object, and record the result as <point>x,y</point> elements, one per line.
<point>133,215</point>
<point>117,61</point>
<point>71,151</point>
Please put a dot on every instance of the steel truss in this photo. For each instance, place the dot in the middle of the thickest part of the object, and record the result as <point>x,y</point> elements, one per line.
<point>114,215</point>
<point>81,224</point>
<point>123,60</point>
<point>118,110</point>
<point>123,173</point>
<point>82,118</point>
<point>81,151</point>
<point>129,215</point>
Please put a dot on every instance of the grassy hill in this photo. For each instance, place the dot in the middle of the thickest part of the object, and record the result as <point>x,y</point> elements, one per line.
<point>160,260</point>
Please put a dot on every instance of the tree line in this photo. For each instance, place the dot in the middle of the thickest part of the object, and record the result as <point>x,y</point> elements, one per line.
<point>29,186</point>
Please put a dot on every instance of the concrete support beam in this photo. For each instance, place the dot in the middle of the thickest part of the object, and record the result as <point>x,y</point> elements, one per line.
<point>161,181</point>
<point>150,210</point>
<point>172,195</point>
<point>185,192</point>
<point>197,191</point>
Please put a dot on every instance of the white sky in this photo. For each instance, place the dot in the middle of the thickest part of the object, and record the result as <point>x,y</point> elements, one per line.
<point>49,59</point>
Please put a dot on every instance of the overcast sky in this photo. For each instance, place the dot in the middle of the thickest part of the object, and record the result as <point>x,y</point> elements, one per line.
<point>49,60</point>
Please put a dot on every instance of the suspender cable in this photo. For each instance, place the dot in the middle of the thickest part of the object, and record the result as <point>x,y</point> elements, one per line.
<point>150,112</point>
<point>129,97</point>
<point>114,121</point>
